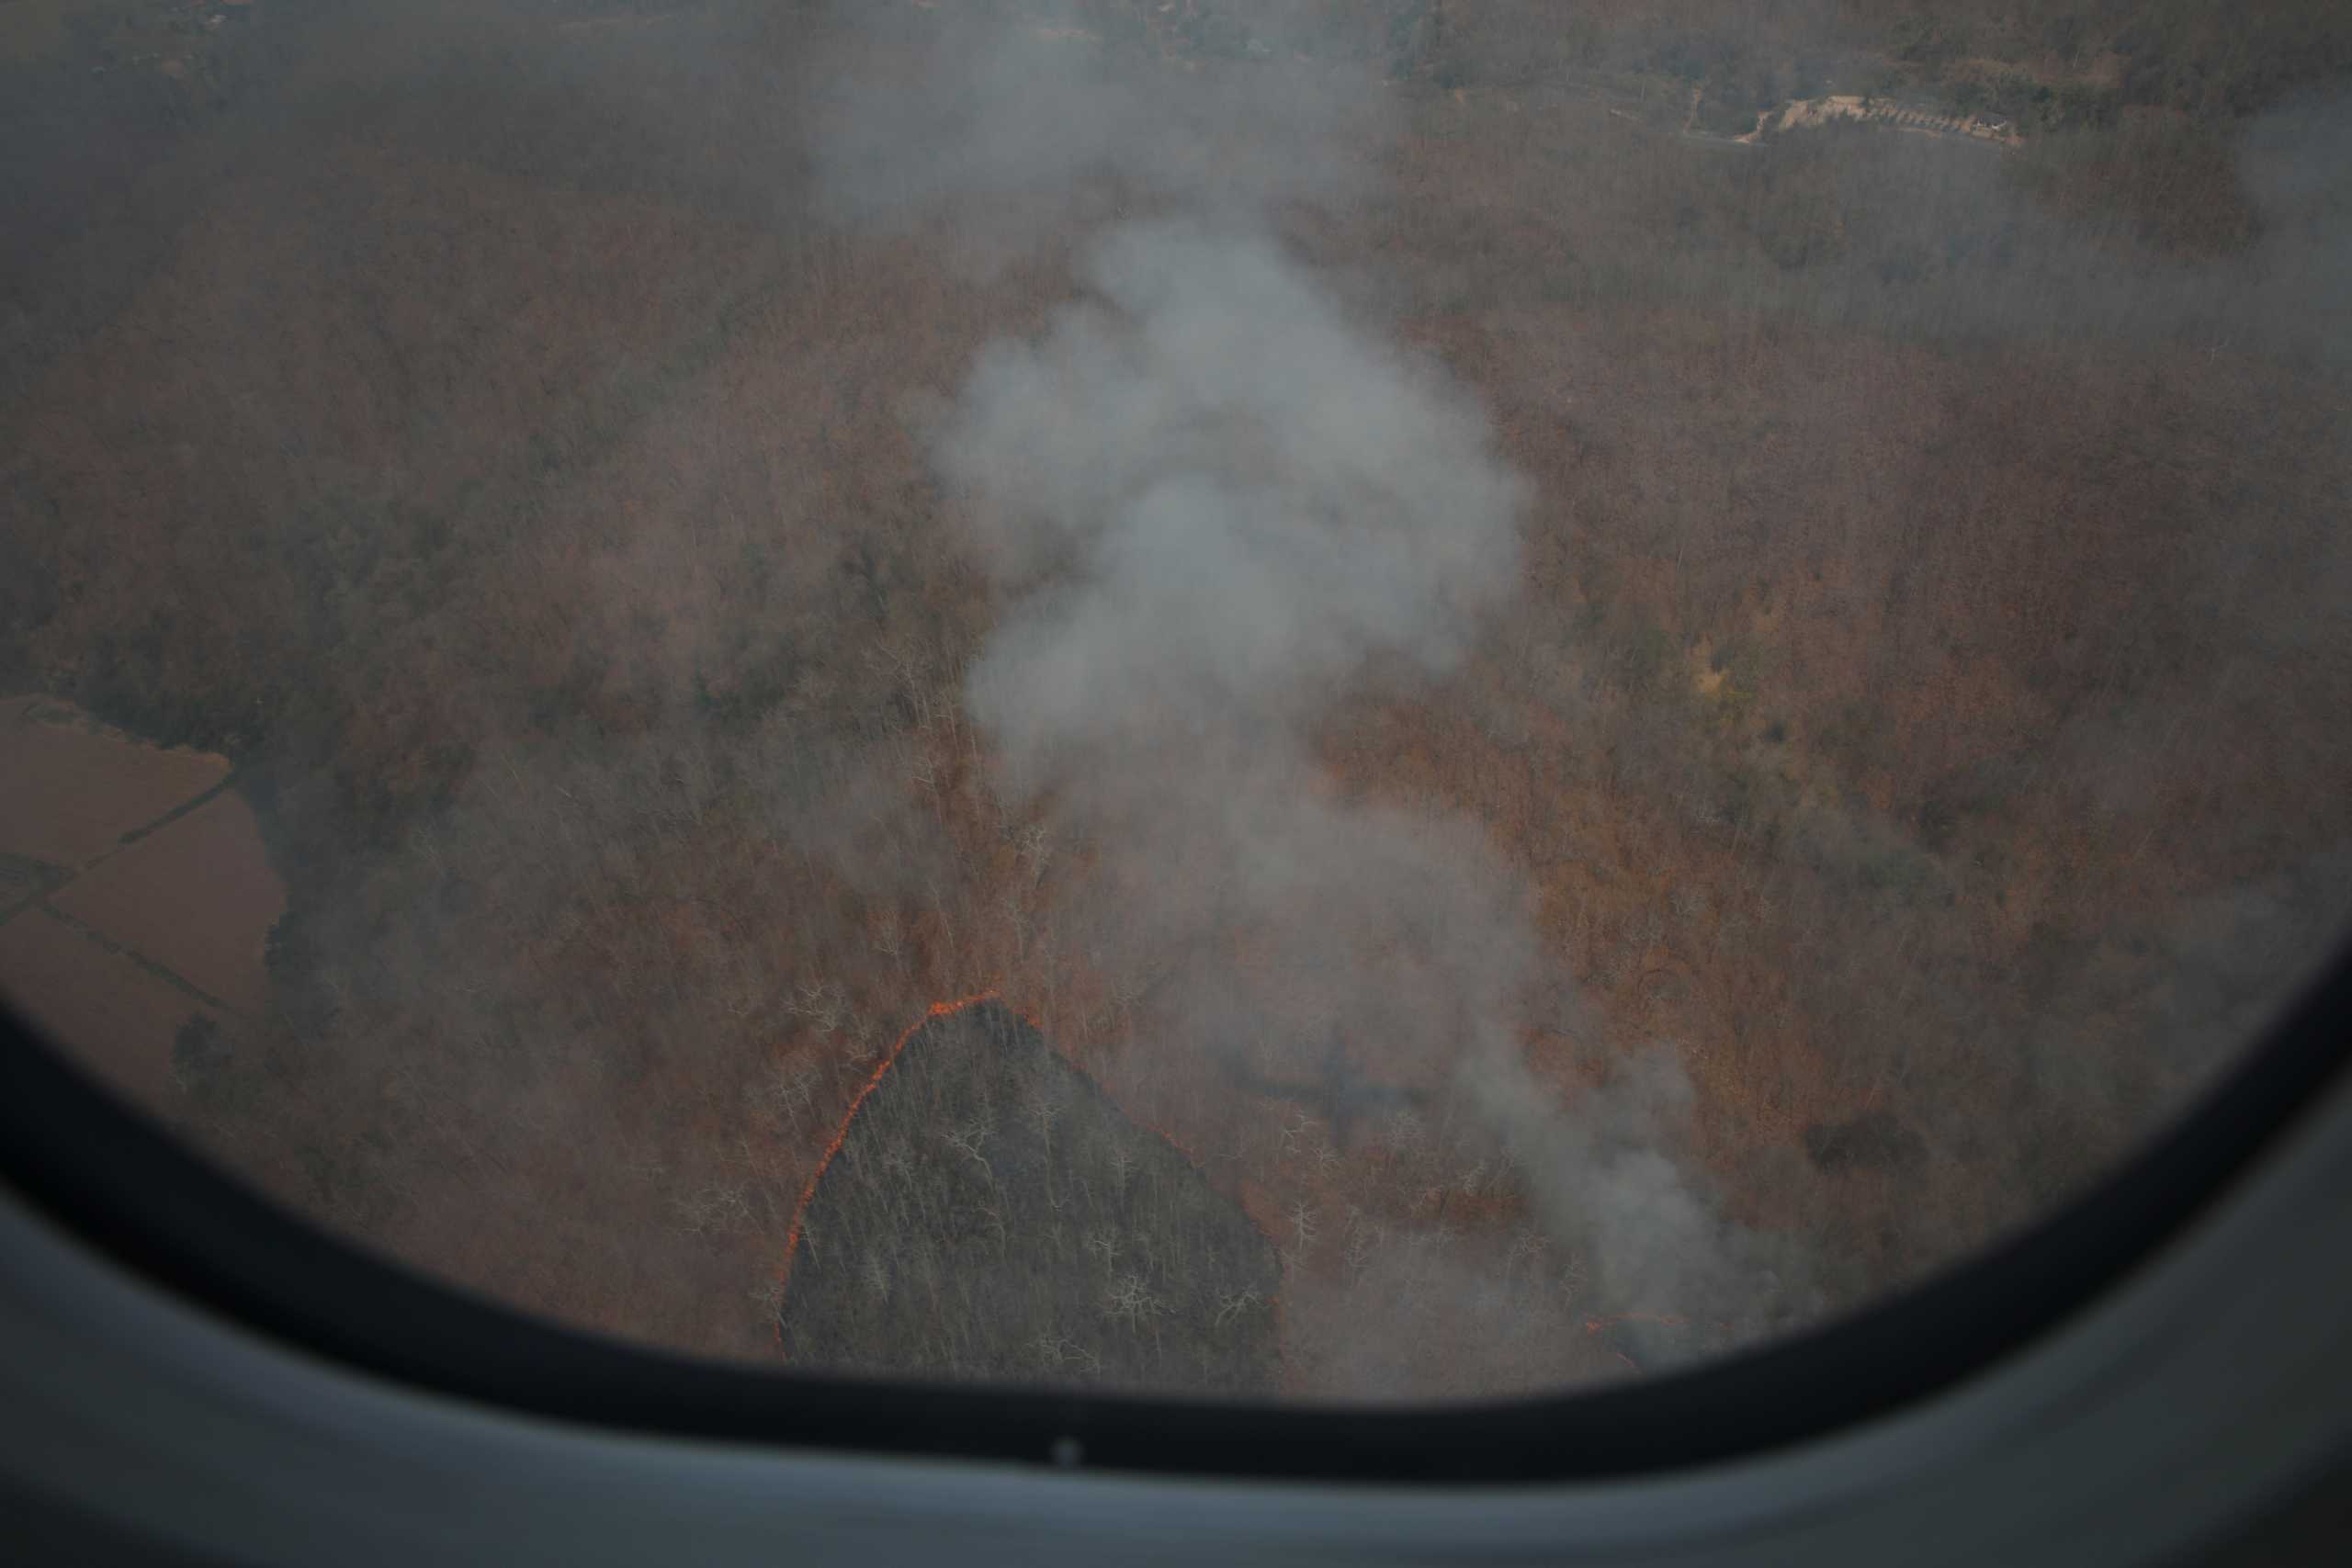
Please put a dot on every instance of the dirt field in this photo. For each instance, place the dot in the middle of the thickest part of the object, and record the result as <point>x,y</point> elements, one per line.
<point>70,788</point>
<point>174,916</point>
<point>198,897</point>
<point>115,1015</point>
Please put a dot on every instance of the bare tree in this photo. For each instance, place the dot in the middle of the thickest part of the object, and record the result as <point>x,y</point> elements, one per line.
<point>1302,1230</point>
<point>1105,1245</point>
<point>1129,1300</point>
<point>969,1140</point>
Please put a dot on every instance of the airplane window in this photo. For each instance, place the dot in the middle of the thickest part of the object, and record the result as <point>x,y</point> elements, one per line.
<point>1306,700</point>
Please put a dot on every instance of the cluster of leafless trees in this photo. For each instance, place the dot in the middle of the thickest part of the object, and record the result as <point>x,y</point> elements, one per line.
<point>989,1214</point>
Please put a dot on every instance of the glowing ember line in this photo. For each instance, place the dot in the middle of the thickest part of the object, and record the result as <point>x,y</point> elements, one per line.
<point>808,1192</point>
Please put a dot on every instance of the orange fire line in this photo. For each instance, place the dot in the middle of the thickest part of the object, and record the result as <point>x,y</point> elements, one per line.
<point>808,1192</point>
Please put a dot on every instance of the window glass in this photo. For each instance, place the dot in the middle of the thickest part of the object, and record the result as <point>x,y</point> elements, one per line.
<point>1306,699</point>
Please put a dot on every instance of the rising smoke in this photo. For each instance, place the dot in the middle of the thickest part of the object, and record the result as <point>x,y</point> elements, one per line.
<point>1002,124</point>
<point>1213,501</point>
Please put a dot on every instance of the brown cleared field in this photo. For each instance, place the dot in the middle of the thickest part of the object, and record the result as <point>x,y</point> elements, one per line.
<point>198,897</point>
<point>115,1015</point>
<point>70,789</point>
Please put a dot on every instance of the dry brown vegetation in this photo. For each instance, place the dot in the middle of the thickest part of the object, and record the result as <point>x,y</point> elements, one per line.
<point>1922,706</point>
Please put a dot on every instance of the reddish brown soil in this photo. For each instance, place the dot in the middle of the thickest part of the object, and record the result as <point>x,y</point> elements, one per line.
<point>70,789</point>
<point>198,897</point>
<point>114,1015</point>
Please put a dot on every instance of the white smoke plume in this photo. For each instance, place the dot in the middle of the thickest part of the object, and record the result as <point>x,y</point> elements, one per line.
<point>1212,500</point>
<point>1001,120</point>
<point>1258,498</point>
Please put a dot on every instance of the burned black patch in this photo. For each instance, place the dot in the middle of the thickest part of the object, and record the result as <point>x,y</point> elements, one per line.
<point>990,1214</point>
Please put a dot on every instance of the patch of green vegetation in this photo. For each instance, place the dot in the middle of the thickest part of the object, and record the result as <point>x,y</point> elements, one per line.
<point>1904,872</point>
<point>1846,738</point>
<point>1646,650</point>
<point>1735,700</point>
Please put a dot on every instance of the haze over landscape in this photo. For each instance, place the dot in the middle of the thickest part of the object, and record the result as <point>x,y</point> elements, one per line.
<point>1311,698</point>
